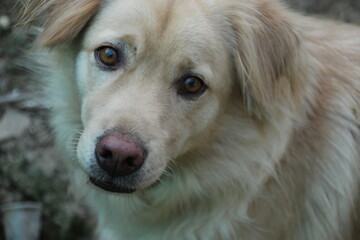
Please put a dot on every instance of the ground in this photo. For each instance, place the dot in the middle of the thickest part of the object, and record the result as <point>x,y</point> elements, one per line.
<point>30,167</point>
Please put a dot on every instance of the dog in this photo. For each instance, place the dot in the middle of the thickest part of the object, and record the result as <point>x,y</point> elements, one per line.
<point>206,119</point>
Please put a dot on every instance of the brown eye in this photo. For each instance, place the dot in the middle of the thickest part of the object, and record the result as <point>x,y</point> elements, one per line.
<point>191,87</point>
<point>192,84</point>
<point>108,56</point>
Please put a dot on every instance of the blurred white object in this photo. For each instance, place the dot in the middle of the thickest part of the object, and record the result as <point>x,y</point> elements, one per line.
<point>4,22</point>
<point>22,220</point>
<point>13,124</point>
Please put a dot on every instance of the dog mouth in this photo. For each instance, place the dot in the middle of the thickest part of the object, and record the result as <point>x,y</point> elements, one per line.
<point>110,186</point>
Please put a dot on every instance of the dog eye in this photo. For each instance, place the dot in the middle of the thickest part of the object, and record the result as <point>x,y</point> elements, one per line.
<point>191,86</point>
<point>108,57</point>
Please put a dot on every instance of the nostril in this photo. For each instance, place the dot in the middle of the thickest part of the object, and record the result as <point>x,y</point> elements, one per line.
<point>134,161</point>
<point>104,154</point>
<point>130,161</point>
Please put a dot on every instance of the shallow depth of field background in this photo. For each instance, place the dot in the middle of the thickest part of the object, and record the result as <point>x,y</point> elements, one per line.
<point>30,167</point>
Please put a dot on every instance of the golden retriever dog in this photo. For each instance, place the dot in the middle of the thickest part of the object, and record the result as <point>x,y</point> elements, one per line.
<point>206,119</point>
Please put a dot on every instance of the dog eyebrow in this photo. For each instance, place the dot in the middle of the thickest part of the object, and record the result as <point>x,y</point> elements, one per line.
<point>119,41</point>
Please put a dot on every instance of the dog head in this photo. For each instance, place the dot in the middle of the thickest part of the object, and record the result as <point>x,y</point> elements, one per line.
<point>158,80</point>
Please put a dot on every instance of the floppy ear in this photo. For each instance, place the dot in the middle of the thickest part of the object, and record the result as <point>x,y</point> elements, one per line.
<point>265,50</point>
<point>64,19</point>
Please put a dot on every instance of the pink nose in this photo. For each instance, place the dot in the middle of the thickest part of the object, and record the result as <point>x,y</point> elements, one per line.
<point>119,155</point>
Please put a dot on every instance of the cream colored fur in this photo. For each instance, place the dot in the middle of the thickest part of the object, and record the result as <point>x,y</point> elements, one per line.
<point>269,152</point>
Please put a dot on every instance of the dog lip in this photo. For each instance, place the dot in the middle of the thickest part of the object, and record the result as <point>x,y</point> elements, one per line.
<point>110,187</point>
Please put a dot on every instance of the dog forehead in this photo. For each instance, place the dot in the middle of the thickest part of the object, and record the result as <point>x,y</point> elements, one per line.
<point>151,20</point>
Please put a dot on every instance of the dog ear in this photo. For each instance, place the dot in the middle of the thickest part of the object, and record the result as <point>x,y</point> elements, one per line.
<point>63,19</point>
<point>265,51</point>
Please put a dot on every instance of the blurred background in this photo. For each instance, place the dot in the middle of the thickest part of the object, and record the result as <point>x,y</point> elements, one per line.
<point>30,167</point>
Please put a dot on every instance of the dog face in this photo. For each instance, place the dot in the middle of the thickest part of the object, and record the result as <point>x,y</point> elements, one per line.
<point>152,89</point>
<point>157,79</point>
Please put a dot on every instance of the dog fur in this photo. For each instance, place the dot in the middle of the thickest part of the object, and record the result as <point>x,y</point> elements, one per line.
<point>271,150</point>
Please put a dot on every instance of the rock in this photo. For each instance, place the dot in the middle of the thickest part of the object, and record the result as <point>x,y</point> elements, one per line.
<point>13,124</point>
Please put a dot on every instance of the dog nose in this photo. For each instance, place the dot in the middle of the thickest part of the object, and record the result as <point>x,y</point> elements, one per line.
<point>118,155</point>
